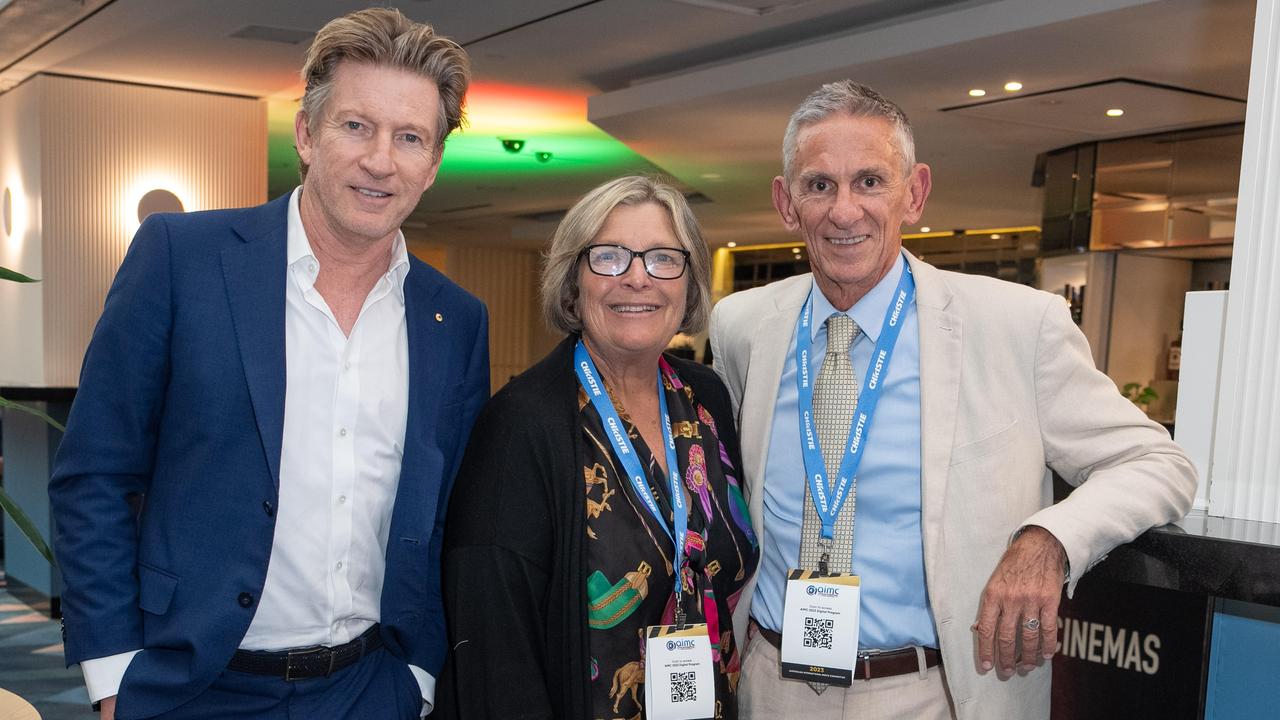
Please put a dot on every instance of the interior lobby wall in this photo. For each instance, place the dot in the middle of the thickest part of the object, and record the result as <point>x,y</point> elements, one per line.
<point>105,145</point>
<point>22,322</point>
<point>507,281</point>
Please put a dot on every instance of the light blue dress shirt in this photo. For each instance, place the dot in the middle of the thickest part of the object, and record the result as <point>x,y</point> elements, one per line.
<point>888,552</point>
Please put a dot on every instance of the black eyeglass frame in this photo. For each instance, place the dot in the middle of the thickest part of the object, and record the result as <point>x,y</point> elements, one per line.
<point>586,253</point>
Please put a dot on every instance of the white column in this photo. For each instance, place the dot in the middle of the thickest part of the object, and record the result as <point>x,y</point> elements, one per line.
<point>1245,475</point>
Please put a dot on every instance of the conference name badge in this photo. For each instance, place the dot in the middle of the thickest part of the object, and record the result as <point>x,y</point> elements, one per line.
<point>820,627</point>
<point>678,679</point>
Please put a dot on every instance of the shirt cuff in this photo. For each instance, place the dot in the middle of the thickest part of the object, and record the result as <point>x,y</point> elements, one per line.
<point>102,675</point>
<point>427,685</point>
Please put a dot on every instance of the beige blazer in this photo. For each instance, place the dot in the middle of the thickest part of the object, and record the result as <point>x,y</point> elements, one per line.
<point>1008,391</point>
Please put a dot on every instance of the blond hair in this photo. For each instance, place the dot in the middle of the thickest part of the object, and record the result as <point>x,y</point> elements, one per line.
<point>385,37</point>
<point>581,225</point>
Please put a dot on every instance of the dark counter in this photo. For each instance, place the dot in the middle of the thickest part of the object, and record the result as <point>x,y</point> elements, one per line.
<point>1230,559</point>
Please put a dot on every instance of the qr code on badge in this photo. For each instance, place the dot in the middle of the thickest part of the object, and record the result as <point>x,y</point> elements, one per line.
<point>683,688</point>
<point>817,633</point>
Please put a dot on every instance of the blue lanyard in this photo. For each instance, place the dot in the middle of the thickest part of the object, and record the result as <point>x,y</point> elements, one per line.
<point>828,508</point>
<point>626,454</point>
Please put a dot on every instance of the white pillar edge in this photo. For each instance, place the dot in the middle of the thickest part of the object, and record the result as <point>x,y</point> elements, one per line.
<point>1245,472</point>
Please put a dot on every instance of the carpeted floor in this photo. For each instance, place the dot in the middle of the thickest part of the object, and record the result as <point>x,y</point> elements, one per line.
<point>31,663</point>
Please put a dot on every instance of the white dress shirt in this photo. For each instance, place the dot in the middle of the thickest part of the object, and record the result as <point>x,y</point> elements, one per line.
<point>346,406</point>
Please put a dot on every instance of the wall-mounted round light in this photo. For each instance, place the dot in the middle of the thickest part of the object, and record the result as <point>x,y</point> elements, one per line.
<point>8,212</point>
<point>158,201</point>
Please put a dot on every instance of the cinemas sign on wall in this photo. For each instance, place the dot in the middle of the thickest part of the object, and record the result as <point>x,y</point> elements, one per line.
<point>1129,651</point>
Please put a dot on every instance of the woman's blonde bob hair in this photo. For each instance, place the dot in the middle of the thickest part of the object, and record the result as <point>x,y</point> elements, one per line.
<point>582,224</point>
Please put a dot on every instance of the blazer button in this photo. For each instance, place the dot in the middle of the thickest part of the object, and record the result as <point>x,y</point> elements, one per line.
<point>268,508</point>
<point>245,600</point>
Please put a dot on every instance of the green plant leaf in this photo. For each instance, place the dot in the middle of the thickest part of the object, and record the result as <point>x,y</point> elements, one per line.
<point>23,408</point>
<point>7,274</point>
<point>28,528</point>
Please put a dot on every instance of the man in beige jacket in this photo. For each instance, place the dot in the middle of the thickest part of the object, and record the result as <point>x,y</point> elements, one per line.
<point>960,554</point>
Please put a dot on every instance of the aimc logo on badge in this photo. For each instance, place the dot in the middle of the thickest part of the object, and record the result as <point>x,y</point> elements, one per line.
<point>822,590</point>
<point>679,645</point>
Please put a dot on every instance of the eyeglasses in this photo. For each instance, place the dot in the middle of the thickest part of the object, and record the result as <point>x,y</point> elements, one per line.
<point>662,263</point>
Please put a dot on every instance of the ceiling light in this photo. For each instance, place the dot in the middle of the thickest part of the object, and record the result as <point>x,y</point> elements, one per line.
<point>924,228</point>
<point>543,156</point>
<point>995,236</point>
<point>733,244</point>
<point>1115,112</point>
<point>795,250</point>
<point>977,92</point>
<point>710,176</point>
<point>511,145</point>
<point>1013,86</point>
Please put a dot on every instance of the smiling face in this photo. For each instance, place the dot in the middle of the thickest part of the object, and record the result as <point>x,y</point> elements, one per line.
<point>849,198</point>
<point>631,318</point>
<point>372,154</point>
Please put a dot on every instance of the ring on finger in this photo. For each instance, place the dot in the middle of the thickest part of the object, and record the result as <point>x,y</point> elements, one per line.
<point>1032,624</point>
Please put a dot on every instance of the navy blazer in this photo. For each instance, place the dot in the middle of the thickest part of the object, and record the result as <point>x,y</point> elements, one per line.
<point>165,486</point>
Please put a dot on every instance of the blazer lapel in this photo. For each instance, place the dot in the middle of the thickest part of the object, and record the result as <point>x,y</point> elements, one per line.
<point>428,365</point>
<point>764,372</point>
<point>940,355</point>
<point>255,274</point>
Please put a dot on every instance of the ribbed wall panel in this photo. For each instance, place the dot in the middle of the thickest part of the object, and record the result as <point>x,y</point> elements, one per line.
<point>1245,483</point>
<point>507,281</point>
<point>105,145</point>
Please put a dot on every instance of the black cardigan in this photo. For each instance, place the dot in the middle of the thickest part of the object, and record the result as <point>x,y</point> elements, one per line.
<point>514,559</point>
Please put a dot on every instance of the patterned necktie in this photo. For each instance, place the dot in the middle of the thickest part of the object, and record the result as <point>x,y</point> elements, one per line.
<point>835,395</point>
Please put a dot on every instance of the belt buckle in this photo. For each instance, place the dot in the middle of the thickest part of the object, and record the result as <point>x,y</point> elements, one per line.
<point>304,654</point>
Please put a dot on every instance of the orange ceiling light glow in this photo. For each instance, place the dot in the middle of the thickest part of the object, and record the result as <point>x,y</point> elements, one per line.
<point>514,129</point>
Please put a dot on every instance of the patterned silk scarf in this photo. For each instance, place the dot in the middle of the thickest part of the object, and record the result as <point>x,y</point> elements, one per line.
<point>629,573</point>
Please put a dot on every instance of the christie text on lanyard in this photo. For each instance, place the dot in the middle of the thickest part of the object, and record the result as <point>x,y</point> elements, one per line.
<point>589,376</point>
<point>827,504</point>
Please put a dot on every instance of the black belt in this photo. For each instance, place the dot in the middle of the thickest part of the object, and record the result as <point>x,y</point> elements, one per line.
<point>311,662</point>
<point>874,665</point>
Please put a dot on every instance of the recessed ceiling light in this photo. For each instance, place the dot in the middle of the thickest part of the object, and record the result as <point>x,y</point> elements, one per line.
<point>924,228</point>
<point>1013,86</point>
<point>977,92</point>
<point>710,176</point>
<point>795,250</point>
<point>995,236</point>
<point>733,244</point>
<point>1115,112</point>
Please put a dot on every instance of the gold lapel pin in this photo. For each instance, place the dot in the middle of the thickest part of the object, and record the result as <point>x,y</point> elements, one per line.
<point>439,317</point>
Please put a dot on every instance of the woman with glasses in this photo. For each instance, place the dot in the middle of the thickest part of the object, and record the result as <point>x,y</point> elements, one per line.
<point>565,557</point>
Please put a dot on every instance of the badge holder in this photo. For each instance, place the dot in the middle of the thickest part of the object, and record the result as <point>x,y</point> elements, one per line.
<point>820,627</point>
<point>679,680</point>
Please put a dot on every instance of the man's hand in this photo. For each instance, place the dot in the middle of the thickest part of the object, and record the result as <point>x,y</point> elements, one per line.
<point>107,708</point>
<point>1026,585</point>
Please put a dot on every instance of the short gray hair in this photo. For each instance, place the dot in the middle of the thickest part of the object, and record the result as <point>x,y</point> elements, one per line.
<point>854,99</point>
<point>581,225</point>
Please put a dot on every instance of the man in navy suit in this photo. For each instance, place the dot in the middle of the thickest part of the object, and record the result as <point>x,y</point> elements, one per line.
<point>250,494</point>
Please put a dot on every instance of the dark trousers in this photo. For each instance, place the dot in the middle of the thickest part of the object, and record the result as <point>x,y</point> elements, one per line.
<point>379,687</point>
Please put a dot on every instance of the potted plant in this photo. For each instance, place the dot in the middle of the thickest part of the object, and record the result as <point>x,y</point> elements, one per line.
<point>20,518</point>
<point>1140,395</point>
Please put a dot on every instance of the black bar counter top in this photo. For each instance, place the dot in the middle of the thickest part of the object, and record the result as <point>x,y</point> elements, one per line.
<point>1231,559</point>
